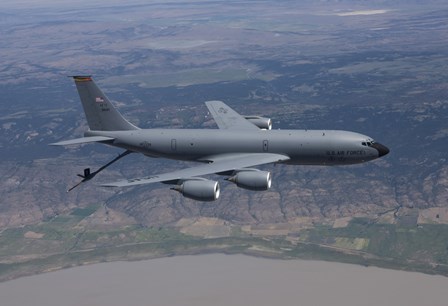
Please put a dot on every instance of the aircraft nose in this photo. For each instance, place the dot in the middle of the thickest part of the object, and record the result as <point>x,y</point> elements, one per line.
<point>382,150</point>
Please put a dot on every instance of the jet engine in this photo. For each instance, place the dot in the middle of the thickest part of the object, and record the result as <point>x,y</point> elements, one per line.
<point>261,122</point>
<point>252,179</point>
<point>199,189</point>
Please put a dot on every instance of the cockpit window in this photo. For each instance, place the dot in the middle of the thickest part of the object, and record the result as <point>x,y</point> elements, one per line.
<point>368,143</point>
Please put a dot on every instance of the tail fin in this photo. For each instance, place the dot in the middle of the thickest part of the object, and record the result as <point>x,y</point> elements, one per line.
<point>100,113</point>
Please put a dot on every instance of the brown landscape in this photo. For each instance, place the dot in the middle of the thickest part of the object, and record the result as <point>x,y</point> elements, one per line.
<point>376,69</point>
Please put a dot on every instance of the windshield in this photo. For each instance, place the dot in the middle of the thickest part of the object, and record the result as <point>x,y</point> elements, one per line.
<point>368,142</point>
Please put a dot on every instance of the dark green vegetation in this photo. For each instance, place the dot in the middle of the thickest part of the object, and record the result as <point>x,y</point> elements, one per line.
<point>306,65</point>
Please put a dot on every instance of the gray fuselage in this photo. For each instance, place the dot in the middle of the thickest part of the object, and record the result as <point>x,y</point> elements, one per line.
<point>304,147</point>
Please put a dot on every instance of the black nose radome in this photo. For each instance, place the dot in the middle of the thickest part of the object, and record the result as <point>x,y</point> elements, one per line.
<point>382,150</point>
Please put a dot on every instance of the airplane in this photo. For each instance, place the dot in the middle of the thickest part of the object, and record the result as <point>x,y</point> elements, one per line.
<point>239,144</point>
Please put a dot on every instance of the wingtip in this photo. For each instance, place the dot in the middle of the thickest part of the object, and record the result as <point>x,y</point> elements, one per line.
<point>213,101</point>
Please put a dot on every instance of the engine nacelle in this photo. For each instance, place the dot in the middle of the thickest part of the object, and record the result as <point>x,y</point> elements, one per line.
<point>261,122</point>
<point>199,190</point>
<point>253,180</point>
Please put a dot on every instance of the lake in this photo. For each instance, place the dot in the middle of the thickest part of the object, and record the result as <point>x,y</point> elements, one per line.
<point>225,280</point>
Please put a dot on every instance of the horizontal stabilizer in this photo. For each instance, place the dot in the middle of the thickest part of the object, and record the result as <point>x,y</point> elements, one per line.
<point>82,140</point>
<point>228,119</point>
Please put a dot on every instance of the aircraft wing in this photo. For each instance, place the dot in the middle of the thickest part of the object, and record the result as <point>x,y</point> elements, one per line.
<point>228,119</point>
<point>217,164</point>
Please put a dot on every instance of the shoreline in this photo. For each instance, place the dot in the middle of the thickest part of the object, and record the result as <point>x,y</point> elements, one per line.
<point>250,251</point>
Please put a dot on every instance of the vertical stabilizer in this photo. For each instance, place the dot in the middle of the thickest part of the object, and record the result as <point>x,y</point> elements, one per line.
<point>100,113</point>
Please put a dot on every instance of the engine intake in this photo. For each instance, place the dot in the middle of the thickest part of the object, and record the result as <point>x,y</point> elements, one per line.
<point>199,189</point>
<point>252,180</point>
<point>261,122</point>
